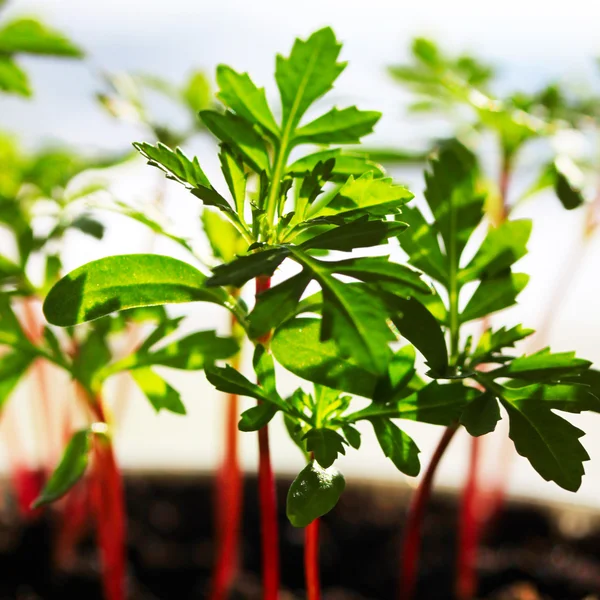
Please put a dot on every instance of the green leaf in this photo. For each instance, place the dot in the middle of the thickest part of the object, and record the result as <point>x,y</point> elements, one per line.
<point>492,342</point>
<point>235,178</point>
<point>543,366</point>
<point>262,361</point>
<point>325,444</point>
<point>481,415</point>
<point>12,78</point>
<point>568,183</point>
<point>573,398</point>
<point>240,94</point>
<point>160,394</point>
<point>245,268</point>
<point>502,247</point>
<point>308,73</point>
<point>361,233</point>
<point>240,134</point>
<point>452,195</point>
<point>550,443</point>
<point>494,294</point>
<point>121,282</point>
<point>380,270</point>
<point>352,315</point>
<point>420,327</point>
<point>32,37</point>
<point>345,126</point>
<point>421,244</point>
<point>70,470</point>
<point>229,380</point>
<point>376,196</point>
<point>224,239</point>
<point>398,446</point>
<point>196,92</point>
<point>11,332</point>
<point>297,346</point>
<point>257,417</point>
<point>12,368</point>
<point>313,494</point>
<point>175,164</point>
<point>346,164</point>
<point>276,305</point>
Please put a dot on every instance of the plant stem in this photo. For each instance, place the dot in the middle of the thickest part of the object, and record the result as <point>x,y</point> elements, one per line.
<point>414,520</point>
<point>468,533</point>
<point>267,497</point>
<point>228,498</point>
<point>109,506</point>
<point>311,561</point>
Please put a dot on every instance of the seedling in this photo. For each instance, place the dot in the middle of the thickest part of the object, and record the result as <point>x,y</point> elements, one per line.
<point>357,336</point>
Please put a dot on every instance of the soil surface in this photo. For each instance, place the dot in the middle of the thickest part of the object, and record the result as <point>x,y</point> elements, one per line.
<point>528,554</point>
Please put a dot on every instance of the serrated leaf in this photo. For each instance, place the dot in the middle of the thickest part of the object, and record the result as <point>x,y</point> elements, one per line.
<point>297,346</point>
<point>345,126</point>
<point>543,366</point>
<point>325,444</point>
<point>160,394</point>
<point>240,94</point>
<point>122,282</point>
<point>276,305</point>
<point>345,165</point>
<point>245,268</point>
<point>494,294</point>
<point>361,233</point>
<point>29,36</point>
<point>502,247</point>
<point>313,494</point>
<point>238,133</point>
<point>377,196</point>
<point>550,443</point>
<point>398,446</point>
<point>492,342</point>
<point>573,398</point>
<point>308,73</point>
<point>481,415</point>
<point>70,470</point>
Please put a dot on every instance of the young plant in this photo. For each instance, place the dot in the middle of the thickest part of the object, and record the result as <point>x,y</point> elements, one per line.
<point>345,338</point>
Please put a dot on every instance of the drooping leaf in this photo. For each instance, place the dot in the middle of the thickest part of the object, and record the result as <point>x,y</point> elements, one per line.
<point>398,446</point>
<point>568,397</point>
<point>240,94</point>
<point>160,394</point>
<point>70,470</point>
<point>345,126</point>
<point>481,415</point>
<point>257,417</point>
<point>235,177</point>
<point>224,239</point>
<point>13,367</point>
<point>121,282</point>
<point>308,73</point>
<point>313,494</point>
<point>12,78</point>
<point>325,444</point>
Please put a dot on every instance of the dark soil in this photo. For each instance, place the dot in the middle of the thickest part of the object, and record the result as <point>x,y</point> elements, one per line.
<point>529,554</point>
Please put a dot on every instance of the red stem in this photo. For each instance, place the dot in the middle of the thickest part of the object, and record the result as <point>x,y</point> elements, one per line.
<point>228,501</point>
<point>109,507</point>
<point>267,497</point>
<point>468,534</point>
<point>414,520</point>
